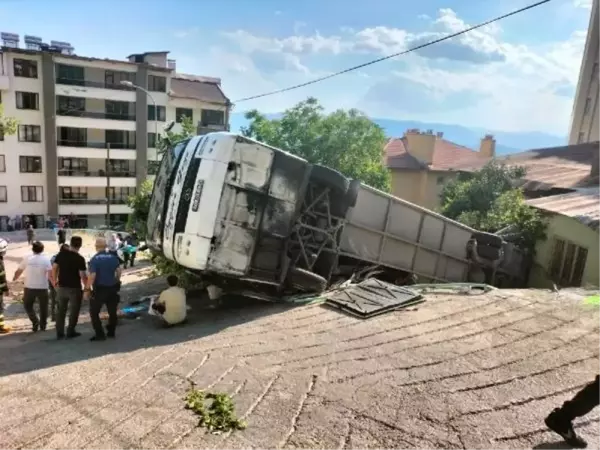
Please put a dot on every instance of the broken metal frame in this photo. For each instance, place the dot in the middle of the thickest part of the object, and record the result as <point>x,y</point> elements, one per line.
<point>310,241</point>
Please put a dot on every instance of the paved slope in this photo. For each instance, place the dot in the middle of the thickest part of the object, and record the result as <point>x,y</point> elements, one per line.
<point>458,372</point>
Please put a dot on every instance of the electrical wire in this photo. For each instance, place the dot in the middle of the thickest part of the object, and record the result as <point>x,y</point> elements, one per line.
<point>412,49</point>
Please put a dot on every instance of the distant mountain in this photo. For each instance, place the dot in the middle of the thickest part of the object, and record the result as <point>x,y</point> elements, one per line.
<point>507,142</point>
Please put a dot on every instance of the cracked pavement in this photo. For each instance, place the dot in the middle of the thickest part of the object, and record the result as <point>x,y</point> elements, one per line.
<point>477,371</point>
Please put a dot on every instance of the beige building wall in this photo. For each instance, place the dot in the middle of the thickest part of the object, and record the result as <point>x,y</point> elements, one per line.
<point>584,119</point>
<point>422,188</point>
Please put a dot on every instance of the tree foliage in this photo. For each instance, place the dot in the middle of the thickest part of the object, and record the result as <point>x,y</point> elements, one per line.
<point>172,137</point>
<point>347,141</point>
<point>8,125</point>
<point>489,201</point>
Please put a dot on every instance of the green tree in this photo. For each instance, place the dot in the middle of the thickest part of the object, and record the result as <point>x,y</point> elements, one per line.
<point>347,141</point>
<point>488,200</point>
<point>8,125</point>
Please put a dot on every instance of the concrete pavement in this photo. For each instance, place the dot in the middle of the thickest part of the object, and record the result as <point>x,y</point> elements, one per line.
<point>455,372</point>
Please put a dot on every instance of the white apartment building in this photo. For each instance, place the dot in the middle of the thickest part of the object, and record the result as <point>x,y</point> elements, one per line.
<point>71,109</point>
<point>585,126</point>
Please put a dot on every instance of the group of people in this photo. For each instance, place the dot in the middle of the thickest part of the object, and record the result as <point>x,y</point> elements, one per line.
<point>127,246</point>
<point>60,284</point>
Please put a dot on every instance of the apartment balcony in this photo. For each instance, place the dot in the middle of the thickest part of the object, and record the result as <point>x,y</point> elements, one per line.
<point>67,206</point>
<point>89,88</point>
<point>96,178</point>
<point>95,119</point>
<point>88,149</point>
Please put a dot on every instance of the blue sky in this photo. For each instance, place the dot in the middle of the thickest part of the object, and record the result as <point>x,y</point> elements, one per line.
<point>518,75</point>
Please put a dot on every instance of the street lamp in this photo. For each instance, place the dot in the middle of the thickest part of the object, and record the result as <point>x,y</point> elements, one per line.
<point>135,86</point>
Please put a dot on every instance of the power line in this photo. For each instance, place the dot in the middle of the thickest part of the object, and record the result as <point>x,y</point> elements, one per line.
<point>412,49</point>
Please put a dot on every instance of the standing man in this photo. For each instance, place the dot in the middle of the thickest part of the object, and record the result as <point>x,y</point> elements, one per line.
<point>30,234</point>
<point>37,270</point>
<point>133,242</point>
<point>4,329</point>
<point>64,247</point>
<point>69,274</point>
<point>104,278</point>
<point>62,236</point>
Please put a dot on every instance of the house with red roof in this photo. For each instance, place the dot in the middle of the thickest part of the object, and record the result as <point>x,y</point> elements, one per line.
<point>421,162</point>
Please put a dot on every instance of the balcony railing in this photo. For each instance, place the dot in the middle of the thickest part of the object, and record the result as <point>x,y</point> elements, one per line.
<point>92,201</point>
<point>87,144</point>
<point>95,115</point>
<point>98,84</point>
<point>94,173</point>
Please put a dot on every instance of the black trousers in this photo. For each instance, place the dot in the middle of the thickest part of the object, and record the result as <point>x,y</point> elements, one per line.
<point>52,294</point>
<point>109,296</point>
<point>29,298</point>
<point>583,402</point>
<point>69,299</point>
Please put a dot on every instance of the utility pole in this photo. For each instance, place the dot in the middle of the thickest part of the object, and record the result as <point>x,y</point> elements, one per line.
<point>108,168</point>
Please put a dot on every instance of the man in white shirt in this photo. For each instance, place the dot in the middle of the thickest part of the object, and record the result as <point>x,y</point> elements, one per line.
<point>171,304</point>
<point>37,269</point>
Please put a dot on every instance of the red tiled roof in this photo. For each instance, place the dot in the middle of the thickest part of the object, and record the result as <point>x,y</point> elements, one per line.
<point>557,167</point>
<point>447,156</point>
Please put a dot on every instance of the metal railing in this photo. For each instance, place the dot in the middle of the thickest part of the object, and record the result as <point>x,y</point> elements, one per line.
<point>94,114</point>
<point>98,84</point>
<point>102,145</point>
<point>92,201</point>
<point>94,173</point>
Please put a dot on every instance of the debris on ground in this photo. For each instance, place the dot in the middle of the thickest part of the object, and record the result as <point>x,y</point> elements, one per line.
<point>216,410</point>
<point>372,297</point>
<point>453,288</point>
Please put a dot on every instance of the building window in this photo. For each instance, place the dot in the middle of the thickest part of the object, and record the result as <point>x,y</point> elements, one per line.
<point>567,263</point>
<point>71,75</point>
<point>117,110</point>
<point>73,193</point>
<point>27,100</point>
<point>162,113</point>
<point>30,133</point>
<point>157,84</point>
<point>180,113</point>
<point>25,68</point>
<point>440,180</point>
<point>113,78</point>
<point>120,138</point>
<point>2,164</point>
<point>151,140</point>
<point>30,164</point>
<point>72,137</point>
<point>3,196</point>
<point>70,105</point>
<point>212,117</point>
<point>153,167</point>
<point>72,164</point>
<point>120,194</point>
<point>32,194</point>
<point>580,137</point>
<point>1,134</point>
<point>587,106</point>
<point>119,166</point>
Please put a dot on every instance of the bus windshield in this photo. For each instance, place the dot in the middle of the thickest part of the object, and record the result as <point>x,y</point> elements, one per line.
<point>161,192</point>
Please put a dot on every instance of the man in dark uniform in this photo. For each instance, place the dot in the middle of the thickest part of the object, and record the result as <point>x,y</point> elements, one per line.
<point>105,278</point>
<point>68,275</point>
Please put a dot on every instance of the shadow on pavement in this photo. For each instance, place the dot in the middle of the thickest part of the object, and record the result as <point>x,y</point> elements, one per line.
<point>553,445</point>
<point>23,352</point>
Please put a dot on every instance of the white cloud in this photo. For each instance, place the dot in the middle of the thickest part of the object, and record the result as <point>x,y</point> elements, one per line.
<point>476,79</point>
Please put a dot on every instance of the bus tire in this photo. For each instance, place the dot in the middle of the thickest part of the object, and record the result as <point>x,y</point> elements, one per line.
<point>330,178</point>
<point>307,281</point>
